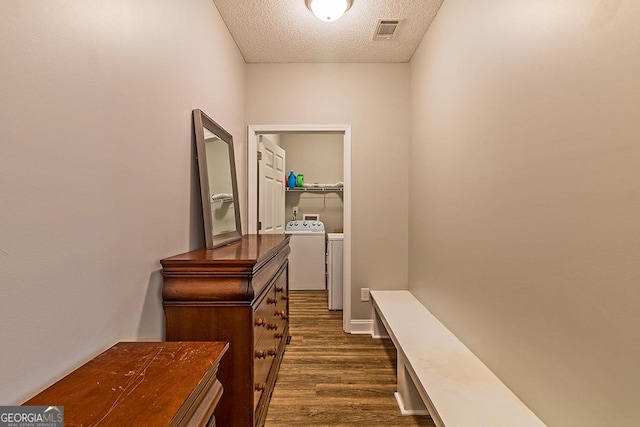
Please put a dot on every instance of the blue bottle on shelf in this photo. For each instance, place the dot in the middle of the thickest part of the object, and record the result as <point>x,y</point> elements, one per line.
<point>291,181</point>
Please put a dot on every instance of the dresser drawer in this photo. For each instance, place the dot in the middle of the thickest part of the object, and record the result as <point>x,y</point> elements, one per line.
<point>264,355</point>
<point>261,317</point>
<point>281,307</point>
<point>281,289</point>
<point>265,318</point>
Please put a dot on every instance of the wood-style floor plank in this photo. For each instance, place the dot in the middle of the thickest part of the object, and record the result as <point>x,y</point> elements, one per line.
<point>331,378</point>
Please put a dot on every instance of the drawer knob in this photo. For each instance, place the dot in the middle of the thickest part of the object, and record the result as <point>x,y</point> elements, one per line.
<point>260,386</point>
<point>279,289</point>
<point>272,352</point>
<point>261,354</point>
<point>271,300</point>
<point>278,335</point>
<point>260,322</point>
<point>272,327</point>
<point>279,313</point>
<point>284,297</point>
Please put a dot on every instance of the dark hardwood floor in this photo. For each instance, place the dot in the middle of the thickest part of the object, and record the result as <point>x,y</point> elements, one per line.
<point>329,378</point>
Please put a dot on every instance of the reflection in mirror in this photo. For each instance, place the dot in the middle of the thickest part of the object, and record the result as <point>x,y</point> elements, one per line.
<point>218,185</point>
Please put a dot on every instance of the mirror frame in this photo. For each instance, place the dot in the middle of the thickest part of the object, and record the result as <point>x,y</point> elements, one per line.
<point>200,121</point>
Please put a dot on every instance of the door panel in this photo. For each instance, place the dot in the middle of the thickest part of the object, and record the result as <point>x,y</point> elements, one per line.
<point>271,175</point>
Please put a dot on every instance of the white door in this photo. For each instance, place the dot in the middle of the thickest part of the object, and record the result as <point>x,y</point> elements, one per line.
<point>271,189</point>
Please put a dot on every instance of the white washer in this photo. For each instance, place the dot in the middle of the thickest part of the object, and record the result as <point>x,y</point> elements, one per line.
<point>307,257</point>
<point>334,269</point>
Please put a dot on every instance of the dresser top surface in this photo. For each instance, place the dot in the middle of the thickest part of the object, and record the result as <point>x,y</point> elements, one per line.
<point>136,382</point>
<point>251,251</point>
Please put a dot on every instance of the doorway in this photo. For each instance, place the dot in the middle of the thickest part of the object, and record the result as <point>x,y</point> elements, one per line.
<point>252,191</point>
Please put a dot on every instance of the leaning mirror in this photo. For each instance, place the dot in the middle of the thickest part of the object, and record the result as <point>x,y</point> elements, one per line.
<point>218,185</point>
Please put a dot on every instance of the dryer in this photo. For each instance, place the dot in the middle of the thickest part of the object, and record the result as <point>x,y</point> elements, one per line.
<point>307,257</point>
<point>335,270</point>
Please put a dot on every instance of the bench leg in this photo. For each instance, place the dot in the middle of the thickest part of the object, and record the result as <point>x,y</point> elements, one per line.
<point>408,397</point>
<point>379,331</point>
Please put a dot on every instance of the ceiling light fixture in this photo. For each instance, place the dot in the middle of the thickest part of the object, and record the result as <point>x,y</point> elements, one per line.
<point>328,10</point>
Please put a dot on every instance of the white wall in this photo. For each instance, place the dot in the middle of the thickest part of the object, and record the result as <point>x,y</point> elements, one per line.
<point>273,138</point>
<point>97,177</point>
<point>374,99</point>
<point>525,197</point>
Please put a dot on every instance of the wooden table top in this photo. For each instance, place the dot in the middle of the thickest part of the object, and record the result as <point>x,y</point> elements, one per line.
<point>137,383</point>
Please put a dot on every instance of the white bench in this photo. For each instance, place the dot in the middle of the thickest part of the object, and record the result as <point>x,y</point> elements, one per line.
<point>438,374</point>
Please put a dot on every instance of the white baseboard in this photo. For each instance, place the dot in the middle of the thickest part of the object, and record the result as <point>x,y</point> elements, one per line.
<point>361,327</point>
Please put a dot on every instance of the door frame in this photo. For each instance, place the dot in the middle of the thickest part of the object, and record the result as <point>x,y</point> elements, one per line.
<point>252,192</point>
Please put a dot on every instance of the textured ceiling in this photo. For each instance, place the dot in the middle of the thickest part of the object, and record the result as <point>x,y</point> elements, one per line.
<point>286,31</point>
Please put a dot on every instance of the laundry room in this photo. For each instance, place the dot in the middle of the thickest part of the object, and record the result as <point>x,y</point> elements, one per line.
<point>313,208</point>
<point>318,158</point>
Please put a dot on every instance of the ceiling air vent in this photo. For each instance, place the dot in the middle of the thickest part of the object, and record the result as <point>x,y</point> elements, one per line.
<point>386,29</point>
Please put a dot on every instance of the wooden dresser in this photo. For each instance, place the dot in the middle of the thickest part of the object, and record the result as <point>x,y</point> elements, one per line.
<point>236,293</point>
<point>142,384</point>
